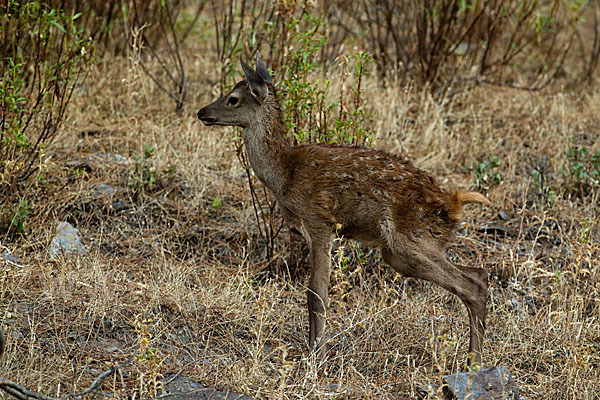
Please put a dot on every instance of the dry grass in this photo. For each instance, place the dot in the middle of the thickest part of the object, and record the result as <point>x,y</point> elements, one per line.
<point>170,273</point>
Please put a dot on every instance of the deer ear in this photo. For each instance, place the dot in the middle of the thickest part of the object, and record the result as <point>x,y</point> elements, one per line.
<point>261,69</point>
<point>256,83</point>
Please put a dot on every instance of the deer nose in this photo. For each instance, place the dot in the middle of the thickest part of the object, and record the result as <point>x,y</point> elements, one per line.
<point>205,118</point>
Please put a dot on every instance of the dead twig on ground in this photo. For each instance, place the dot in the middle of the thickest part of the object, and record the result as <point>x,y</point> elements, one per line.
<point>20,392</point>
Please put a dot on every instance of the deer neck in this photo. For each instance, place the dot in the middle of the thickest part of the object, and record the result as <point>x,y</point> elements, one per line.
<point>266,146</point>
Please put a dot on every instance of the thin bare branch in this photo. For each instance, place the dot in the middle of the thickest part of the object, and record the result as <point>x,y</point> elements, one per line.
<point>22,393</point>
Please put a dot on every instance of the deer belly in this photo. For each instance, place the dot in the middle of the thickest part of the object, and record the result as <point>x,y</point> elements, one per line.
<point>367,233</point>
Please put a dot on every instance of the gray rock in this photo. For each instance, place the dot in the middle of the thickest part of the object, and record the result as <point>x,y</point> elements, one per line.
<point>67,241</point>
<point>109,195</point>
<point>11,259</point>
<point>103,190</point>
<point>494,383</point>
<point>503,215</point>
<point>493,229</point>
<point>182,388</point>
<point>334,389</point>
<point>120,205</point>
<point>427,391</point>
<point>110,157</point>
<point>96,161</point>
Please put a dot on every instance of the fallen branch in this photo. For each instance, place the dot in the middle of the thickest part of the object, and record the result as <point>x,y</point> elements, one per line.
<point>22,393</point>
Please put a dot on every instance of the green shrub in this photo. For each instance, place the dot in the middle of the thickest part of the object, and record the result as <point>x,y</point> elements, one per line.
<point>145,176</point>
<point>582,170</point>
<point>19,216</point>
<point>309,113</point>
<point>45,55</point>
<point>486,173</point>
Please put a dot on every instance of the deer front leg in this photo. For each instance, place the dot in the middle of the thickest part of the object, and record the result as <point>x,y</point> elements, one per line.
<point>317,294</point>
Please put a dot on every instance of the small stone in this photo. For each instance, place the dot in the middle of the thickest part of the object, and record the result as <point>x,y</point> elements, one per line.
<point>503,215</point>
<point>513,303</point>
<point>427,391</point>
<point>497,244</point>
<point>89,132</point>
<point>103,190</point>
<point>493,229</point>
<point>494,383</point>
<point>67,241</point>
<point>182,388</point>
<point>11,259</point>
<point>110,157</point>
<point>120,205</point>
<point>97,161</point>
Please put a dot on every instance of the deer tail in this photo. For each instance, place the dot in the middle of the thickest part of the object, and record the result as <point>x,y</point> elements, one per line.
<point>471,197</point>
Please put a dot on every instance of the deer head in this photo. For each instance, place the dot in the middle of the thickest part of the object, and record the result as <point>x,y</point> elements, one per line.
<point>242,106</point>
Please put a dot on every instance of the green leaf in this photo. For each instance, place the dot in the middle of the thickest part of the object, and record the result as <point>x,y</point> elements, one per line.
<point>217,203</point>
<point>148,151</point>
<point>59,26</point>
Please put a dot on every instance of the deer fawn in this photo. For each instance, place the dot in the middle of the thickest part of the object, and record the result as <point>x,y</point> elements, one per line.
<point>368,195</point>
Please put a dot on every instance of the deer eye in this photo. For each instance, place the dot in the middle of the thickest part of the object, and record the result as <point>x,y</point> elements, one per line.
<point>232,101</point>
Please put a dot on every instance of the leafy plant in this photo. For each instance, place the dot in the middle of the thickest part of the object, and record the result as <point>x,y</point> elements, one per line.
<point>543,187</point>
<point>309,115</point>
<point>145,176</point>
<point>19,216</point>
<point>486,173</point>
<point>44,55</point>
<point>303,99</point>
<point>295,34</point>
<point>217,203</point>
<point>582,169</point>
<point>149,360</point>
<point>354,124</point>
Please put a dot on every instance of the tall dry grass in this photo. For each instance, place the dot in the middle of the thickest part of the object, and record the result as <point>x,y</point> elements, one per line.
<point>170,272</point>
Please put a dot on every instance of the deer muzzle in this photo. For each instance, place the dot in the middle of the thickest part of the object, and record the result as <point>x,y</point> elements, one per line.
<point>204,116</point>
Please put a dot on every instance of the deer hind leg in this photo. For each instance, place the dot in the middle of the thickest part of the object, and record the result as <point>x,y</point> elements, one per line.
<point>317,297</point>
<point>427,261</point>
